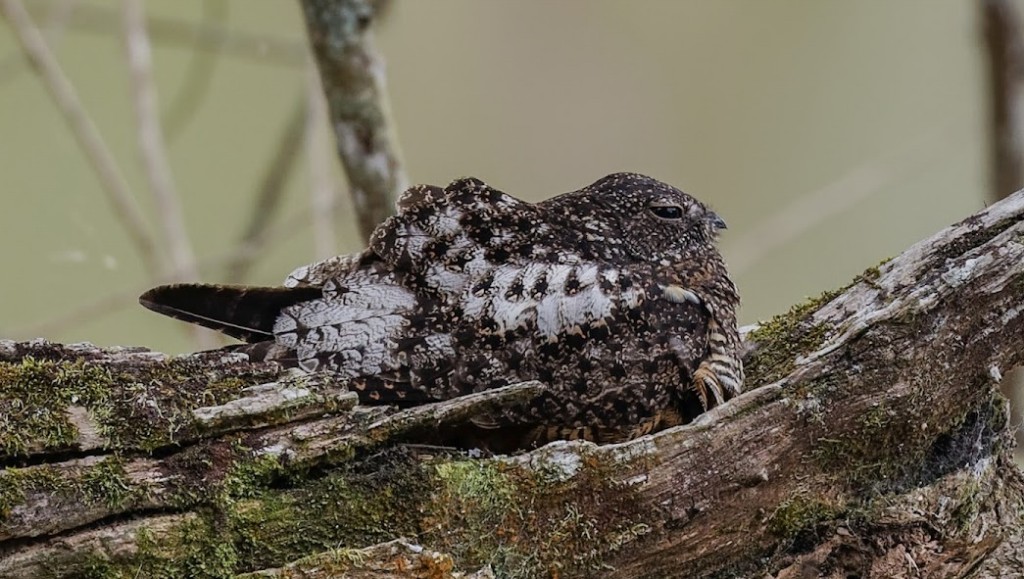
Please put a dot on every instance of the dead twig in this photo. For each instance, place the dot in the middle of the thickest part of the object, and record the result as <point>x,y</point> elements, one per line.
<point>54,25</point>
<point>321,185</point>
<point>202,36</point>
<point>196,85</point>
<point>63,93</point>
<point>268,199</point>
<point>182,264</point>
<point>151,143</point>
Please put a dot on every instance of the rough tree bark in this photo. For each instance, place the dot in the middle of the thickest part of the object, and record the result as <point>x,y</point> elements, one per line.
<point>352,74</point>
<point>872,442</point>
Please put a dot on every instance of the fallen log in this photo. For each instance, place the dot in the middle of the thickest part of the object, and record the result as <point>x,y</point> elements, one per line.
<point>871,442</point>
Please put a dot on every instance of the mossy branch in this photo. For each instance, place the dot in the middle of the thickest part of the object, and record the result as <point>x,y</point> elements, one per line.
<point>352,75</point>
<point>872,442</point>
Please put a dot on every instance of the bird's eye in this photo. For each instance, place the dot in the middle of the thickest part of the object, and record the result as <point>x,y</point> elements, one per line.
<point>667,211</point>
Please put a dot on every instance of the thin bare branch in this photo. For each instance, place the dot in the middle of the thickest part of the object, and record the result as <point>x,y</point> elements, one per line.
<point>352,72</point>
<point>182,264</point>
<point>63,93</point>
<point>197,82</point>
<point>54,25</point>
<point>260,48</point>
<point>268,200</point>
<point>151,143</point>
<point>321,185</point>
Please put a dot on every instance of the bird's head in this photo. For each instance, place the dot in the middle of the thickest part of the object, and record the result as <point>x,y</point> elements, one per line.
<point>656,221</point>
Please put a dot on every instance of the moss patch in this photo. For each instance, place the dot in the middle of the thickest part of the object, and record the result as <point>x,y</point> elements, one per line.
<point>34,400</point>
<point>265,526</point>
<point>193,549</point>
<point>877,460</point>
<point>103,483</point>
<point>345,508</point>
<point>134,406</point>
<point>802,518</point>
<point>877,456</point>
<point>784,338</point>
<point>529,524</point>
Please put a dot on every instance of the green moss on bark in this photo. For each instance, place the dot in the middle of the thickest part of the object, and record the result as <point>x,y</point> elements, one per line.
<point>524,523</point>
<point>783,339</point>
<point>35,397</point>
<point>528,523</point>
<point>802,517</point>
<point>102,483</point>
<point>141,406</point>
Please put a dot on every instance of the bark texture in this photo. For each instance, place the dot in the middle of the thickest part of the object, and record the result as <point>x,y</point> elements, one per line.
<point>872,442</point>
<point>352,74</point>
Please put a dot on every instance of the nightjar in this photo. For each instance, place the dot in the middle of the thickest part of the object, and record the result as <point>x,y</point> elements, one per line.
<point>614,296</point>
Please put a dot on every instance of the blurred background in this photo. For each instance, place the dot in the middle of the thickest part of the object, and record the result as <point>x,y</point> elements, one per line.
<point>830,135</point>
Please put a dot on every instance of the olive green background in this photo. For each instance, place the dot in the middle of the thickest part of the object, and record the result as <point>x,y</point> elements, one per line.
<point>830,135</point>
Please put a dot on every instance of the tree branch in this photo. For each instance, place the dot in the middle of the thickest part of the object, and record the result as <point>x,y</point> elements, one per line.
<point>182,266</point>
<point>872,442</point>
<point>1001,28</point>
<point>125,207</point>
<point>323,197</point>
<point>268,199</point>
<point>100,19</point>
<point>352,73</point>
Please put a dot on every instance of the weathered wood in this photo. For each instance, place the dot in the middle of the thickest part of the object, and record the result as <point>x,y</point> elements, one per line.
<point>872,442</point>
<point>90,549</point>
<point>394,559</point>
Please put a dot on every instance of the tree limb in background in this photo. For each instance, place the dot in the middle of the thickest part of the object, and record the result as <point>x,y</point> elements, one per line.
<point>119,194</point>
<point>321,183</point>
<point>259,48</point>
<point>55,24</point>
<point>1005,52</point>
<point>352,74</point>
<point>268,200</point>
<point>151,144</point>
<point>182,263</point>
<point>196,85</point>
<point>1001,25</point>
<point>872,442</point>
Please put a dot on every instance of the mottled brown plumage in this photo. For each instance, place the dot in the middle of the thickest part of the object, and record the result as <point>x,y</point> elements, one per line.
<point>614,296</point>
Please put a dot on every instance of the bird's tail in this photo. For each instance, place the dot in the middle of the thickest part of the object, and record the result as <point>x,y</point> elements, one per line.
<point>246,313</point>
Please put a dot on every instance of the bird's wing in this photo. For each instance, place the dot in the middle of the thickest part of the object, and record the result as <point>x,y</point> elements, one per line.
<point>318,273</point>
<point>602,336</point>
<point>715,370</point>
<point>450,237</point>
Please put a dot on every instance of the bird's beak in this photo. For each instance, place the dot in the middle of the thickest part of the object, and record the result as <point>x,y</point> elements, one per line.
<point>716,221</point>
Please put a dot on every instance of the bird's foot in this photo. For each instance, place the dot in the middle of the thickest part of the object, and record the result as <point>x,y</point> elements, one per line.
<point>708,387</point>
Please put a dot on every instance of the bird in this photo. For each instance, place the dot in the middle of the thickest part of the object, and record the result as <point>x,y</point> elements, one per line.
<point>613,296</point>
